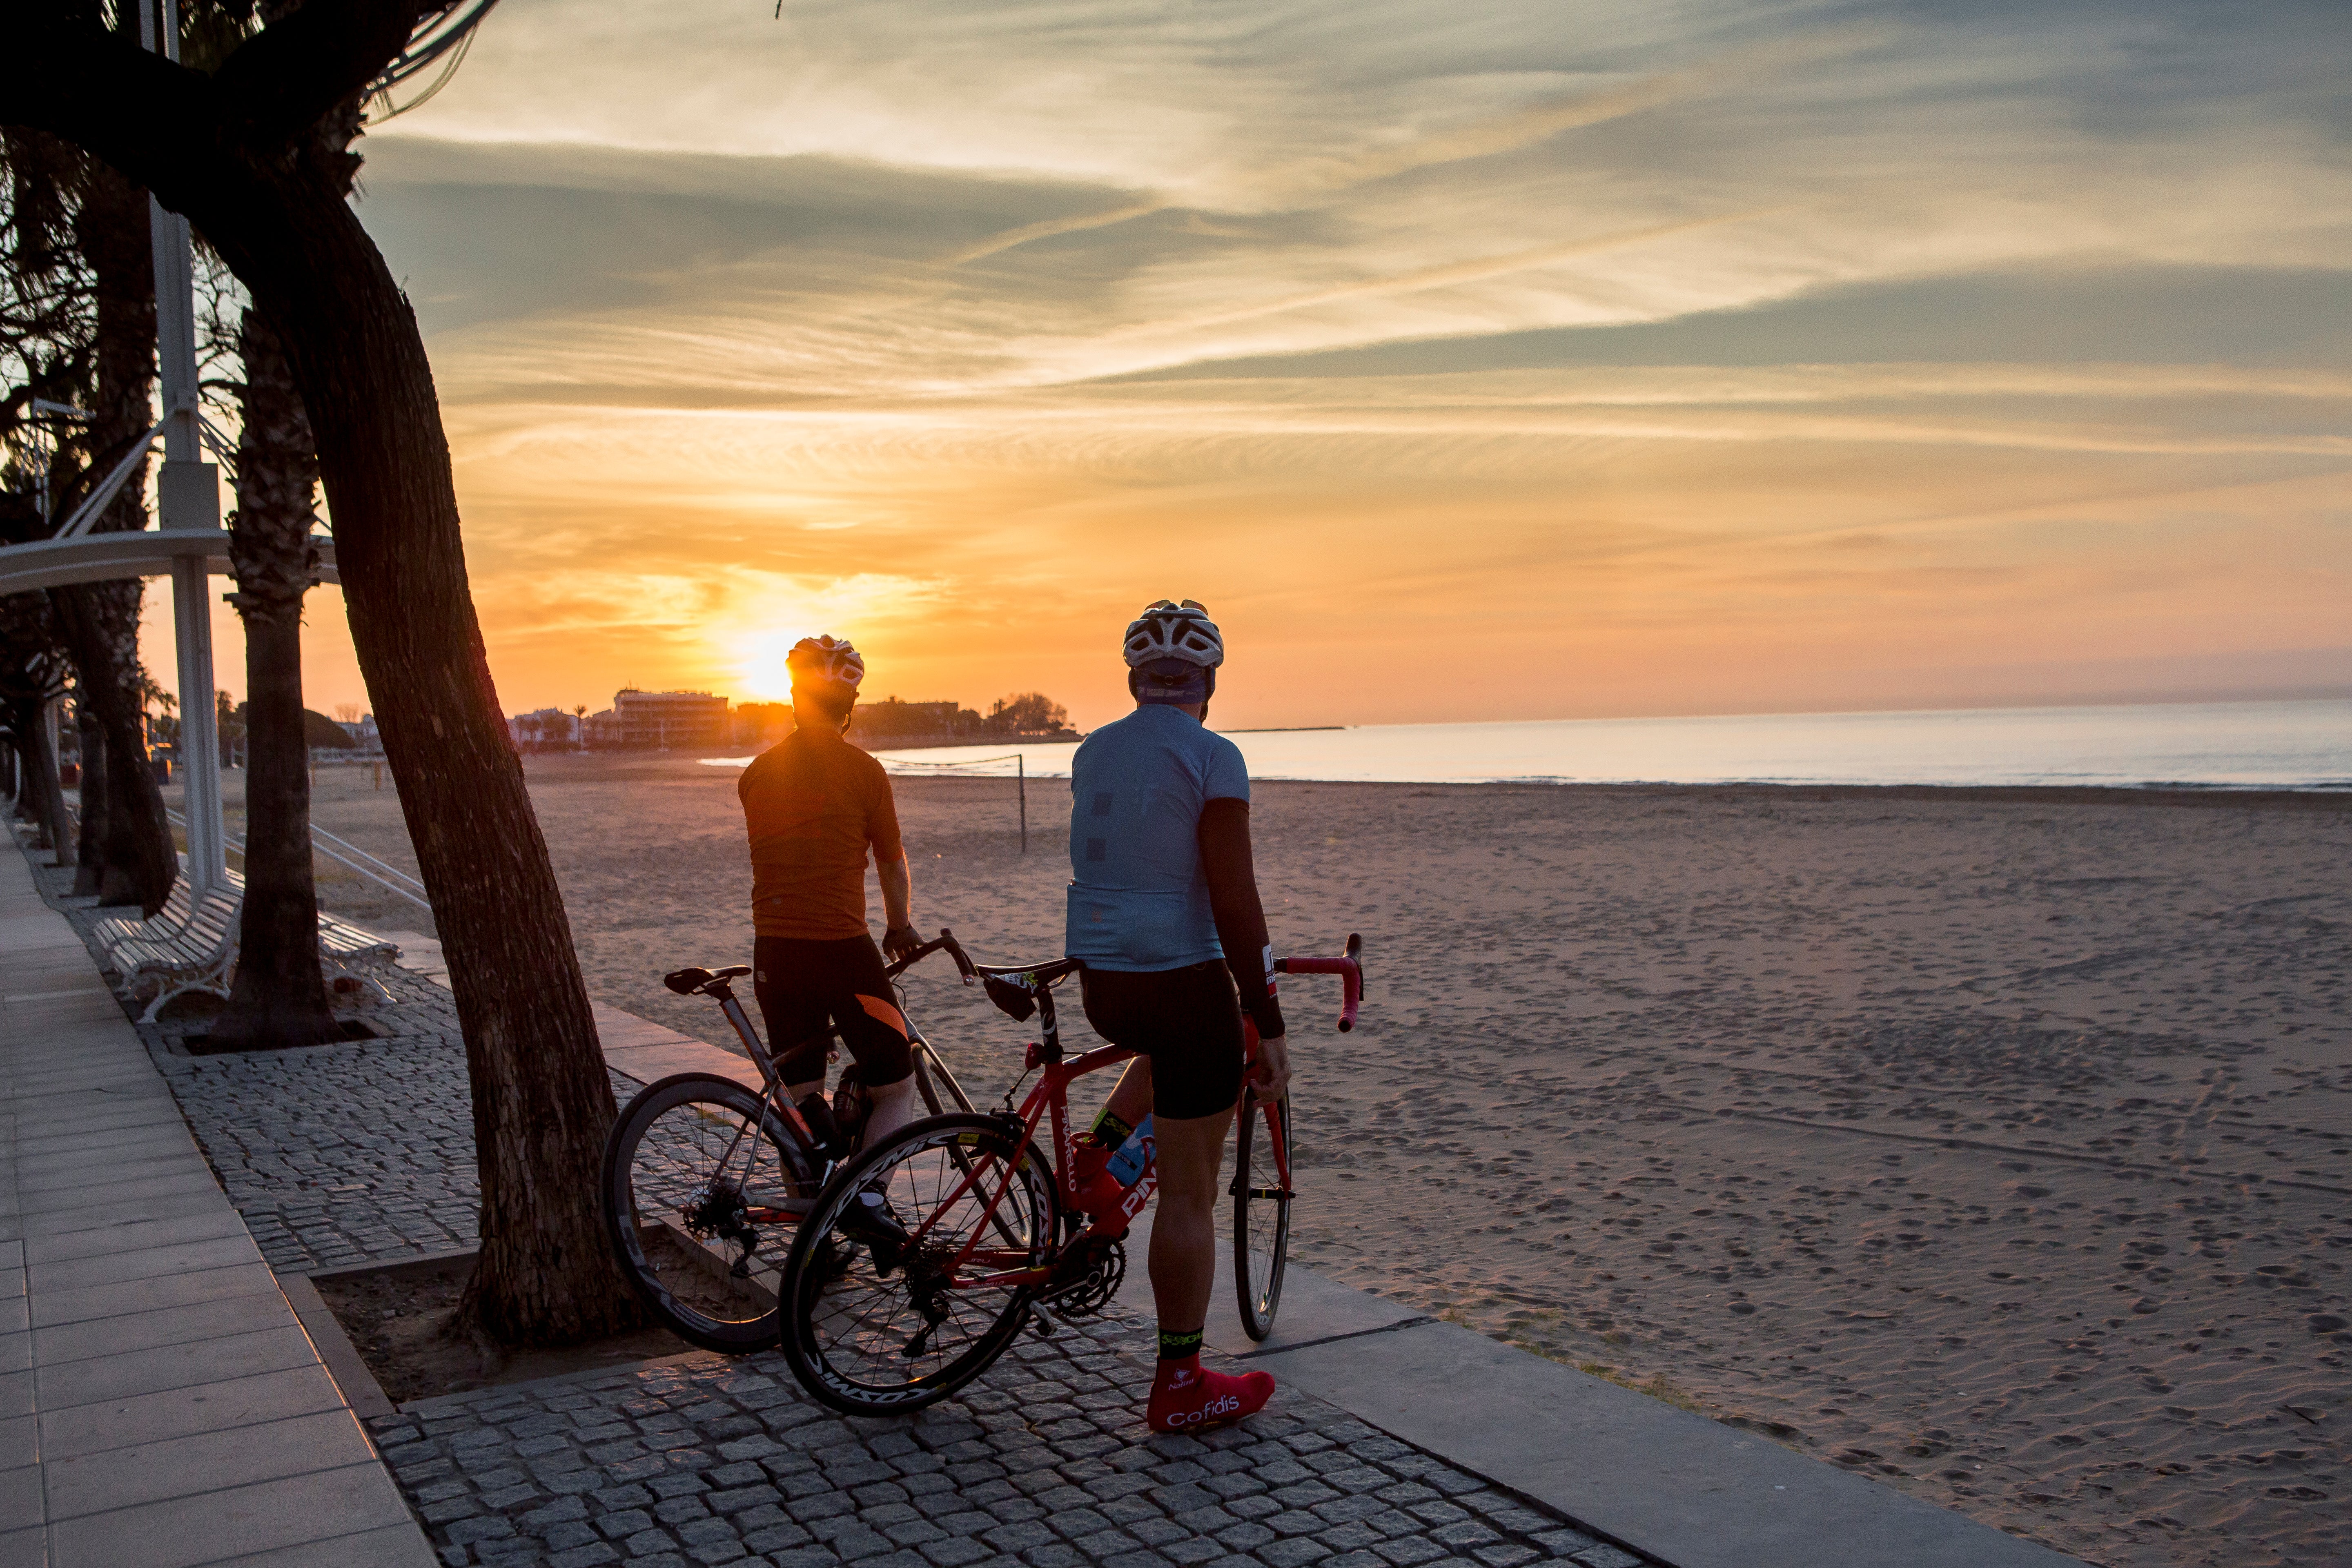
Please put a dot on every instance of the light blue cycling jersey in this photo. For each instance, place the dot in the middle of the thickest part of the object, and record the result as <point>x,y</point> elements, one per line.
<point>1139,897</point>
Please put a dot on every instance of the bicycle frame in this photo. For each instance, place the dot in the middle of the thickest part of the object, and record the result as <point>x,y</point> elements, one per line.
<point>1051,1096</point>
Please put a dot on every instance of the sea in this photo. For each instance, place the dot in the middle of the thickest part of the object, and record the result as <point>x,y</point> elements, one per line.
<point>2296,746</point>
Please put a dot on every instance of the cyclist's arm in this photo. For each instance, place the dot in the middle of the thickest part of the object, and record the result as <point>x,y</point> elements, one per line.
<point>890,869</point>
<point>1240,918</point>
<point>897,891</point>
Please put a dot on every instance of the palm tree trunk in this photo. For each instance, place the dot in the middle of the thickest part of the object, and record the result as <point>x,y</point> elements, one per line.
<point>97,805</point>
<point>280,997</point>
<point>140,864</point>
<point>48,794</point>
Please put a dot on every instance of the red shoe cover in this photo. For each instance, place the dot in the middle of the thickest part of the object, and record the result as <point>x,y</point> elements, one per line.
<point>1187,1398</point>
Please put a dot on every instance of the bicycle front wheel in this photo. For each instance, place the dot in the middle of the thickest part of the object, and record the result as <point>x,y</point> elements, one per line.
<point>1261,1193</point>
<point>878,1326</point>
<point>704,1183</point>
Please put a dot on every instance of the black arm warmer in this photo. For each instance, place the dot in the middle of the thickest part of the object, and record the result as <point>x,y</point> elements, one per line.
<point>1241,919</point>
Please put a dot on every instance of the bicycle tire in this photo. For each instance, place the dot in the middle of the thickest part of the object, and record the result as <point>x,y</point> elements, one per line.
<point>1261,1209</point>
<point>665,1161</point>
<point>843,1315</point>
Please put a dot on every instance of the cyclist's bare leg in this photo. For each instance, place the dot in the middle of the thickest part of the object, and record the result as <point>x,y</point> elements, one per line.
<point>1185,1395</point>
<point>888,1107</point>
<point>1131,1097</point>
<point>892,1107</point>
<point>1184,1231</point>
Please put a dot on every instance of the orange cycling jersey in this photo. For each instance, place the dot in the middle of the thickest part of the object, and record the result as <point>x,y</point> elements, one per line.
<point>813,804</point>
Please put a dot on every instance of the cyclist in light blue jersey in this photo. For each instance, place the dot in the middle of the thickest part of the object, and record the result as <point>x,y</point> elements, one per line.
<point>1164,909</point>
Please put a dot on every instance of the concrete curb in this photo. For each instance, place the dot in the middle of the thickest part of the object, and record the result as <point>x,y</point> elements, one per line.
<point>343,1362</point>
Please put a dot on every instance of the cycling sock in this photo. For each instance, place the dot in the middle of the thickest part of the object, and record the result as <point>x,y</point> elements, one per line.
<point>1175,1346</point>
<point>1186,1396</point>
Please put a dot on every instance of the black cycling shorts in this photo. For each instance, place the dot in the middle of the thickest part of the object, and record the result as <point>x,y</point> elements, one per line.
<point>1186,1020</point>
<point>806,989</point>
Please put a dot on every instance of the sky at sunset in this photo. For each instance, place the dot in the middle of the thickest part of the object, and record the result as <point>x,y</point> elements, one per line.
<point>1489,360</point>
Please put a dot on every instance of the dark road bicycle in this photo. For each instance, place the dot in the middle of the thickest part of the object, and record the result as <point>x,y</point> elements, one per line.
<point>993,1240</point>
<point>705,1178</point>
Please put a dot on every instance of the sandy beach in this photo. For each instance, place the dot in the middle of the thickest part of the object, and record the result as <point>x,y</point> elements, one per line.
<point>1997,1144</point>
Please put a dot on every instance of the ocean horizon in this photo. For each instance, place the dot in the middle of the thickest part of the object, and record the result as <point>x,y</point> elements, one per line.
<point>2303,744</point>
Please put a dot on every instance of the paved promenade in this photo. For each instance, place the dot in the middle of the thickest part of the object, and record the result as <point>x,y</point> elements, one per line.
<point>160,1406</point>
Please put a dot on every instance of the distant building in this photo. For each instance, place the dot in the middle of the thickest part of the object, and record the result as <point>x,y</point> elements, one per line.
<point>602,732</point>
<point>671,720</point>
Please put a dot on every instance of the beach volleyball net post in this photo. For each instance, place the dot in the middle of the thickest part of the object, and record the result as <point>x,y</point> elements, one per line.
<point>1020,779</point>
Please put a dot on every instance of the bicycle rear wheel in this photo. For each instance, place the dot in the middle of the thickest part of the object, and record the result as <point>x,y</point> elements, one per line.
<point>1262,1194</point>
<point>870,1341</point>
<point>703,1182</point>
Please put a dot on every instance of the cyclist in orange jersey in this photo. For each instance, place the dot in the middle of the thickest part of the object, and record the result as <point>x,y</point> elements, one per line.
<point>815,807</point>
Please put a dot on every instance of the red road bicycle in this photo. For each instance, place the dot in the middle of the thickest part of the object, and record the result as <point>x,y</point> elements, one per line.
<point>994,1243</point>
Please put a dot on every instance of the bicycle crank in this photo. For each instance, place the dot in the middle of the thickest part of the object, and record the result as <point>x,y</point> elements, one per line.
<point>1091,1291</point>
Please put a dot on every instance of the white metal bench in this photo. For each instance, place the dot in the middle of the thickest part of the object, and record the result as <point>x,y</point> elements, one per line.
<point>170,918</point>
<point>354,950</point>
<point>199,955</point>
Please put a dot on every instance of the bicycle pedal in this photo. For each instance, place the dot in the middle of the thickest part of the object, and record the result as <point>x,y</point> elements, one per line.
<point>1043,1324</point>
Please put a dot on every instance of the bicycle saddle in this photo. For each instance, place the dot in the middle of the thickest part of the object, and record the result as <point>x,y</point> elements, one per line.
<point>687,981</point>
<point>1013,987</point>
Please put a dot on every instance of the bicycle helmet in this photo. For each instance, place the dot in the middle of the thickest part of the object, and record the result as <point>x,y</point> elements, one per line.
<point>825,659</point>
<point>1167,629</point>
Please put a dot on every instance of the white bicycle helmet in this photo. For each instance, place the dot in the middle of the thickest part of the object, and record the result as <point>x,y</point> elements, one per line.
<point>1167,629</point>
<point>826,658</point>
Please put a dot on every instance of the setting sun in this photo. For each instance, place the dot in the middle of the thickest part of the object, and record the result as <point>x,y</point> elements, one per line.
<point>760,664</point>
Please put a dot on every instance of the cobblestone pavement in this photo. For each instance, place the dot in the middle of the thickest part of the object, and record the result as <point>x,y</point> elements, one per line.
<point>340,1154</point>
<point>1044,1463</point>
